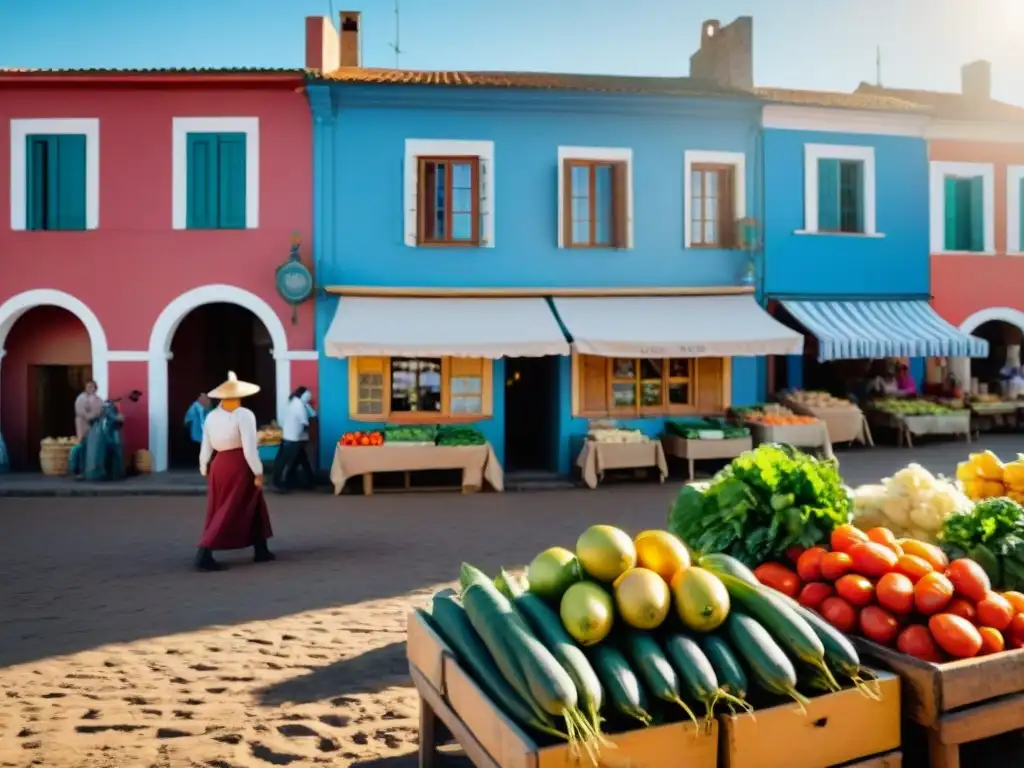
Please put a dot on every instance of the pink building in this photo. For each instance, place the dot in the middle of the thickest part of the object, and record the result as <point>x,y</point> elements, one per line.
<point>146,215</point>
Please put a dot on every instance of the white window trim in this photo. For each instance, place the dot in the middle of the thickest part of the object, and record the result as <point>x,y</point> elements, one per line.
<point>815,152</point>
<point>738,161</point>
<point>416,148</point>
<point>601,154</point>
<point>21,130</point>
<point>1014,174</point>
<point>937,183</point>
<point>182,126</point>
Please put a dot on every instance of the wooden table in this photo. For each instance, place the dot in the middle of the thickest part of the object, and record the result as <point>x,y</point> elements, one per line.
<point>696,450</point>
<point>596,457</point>
<point>953,423</point>
<point>478,463</point>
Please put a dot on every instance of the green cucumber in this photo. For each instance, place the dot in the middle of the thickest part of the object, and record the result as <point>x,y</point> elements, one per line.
<point>623,688</point>
<point>718,563</point>
<point>771,668</point>
<point>728,670</point>
<point>698,676</point>
<point>655,670</point>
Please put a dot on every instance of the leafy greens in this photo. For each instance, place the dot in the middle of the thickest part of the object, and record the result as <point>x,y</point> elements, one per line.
<point>764,502</point>
<point>993,536</point>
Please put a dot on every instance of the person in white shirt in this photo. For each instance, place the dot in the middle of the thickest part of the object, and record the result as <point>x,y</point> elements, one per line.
<point>236,512</point>
<point>293,455</point>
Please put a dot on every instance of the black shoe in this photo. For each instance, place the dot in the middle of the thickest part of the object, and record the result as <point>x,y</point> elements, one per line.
<point>205,561</point>
<point>263,555</point>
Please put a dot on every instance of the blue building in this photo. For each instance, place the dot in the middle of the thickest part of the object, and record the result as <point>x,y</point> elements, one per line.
<point>846,234</point>
<point>527,252</point>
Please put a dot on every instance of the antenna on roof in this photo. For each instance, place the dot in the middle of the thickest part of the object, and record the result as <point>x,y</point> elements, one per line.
<point>396,46</point>
<point>878,66</point>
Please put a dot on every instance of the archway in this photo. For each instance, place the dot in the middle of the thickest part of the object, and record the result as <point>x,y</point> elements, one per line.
<point>211,325</point>
<point>1001,327</point>
<point>46,360</point>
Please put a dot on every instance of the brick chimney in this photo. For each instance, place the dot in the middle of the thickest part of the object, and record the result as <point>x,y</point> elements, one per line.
<point>326,49</point>
<point>350,39</point>
<point>726,54</point>
<point>976,80</point>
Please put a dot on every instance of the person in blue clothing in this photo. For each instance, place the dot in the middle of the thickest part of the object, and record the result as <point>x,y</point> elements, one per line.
<point>195,416</point>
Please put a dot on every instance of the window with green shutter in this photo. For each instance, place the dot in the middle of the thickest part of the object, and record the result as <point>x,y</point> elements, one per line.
<point>840,196</point>
<point>55,182</point>
<point>216,181</point>
<point>964,214</point>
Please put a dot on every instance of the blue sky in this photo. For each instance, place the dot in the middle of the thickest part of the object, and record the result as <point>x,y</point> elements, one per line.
<point>826,44</point>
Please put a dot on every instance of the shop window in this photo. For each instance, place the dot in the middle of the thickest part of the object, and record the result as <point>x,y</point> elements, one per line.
<point>424,390</point>
<point>711,206</point>
<point>595,204</point>
<point>964,213</point>
<point>55,180</point>
<point>841,196</point>
<point>623,387</point>
<point>449,201</point>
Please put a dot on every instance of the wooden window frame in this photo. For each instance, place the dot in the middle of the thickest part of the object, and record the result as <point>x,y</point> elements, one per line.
<point>726,198</point>
<point>619,225</point>
<point>423,206</point>
<point>444,416</point>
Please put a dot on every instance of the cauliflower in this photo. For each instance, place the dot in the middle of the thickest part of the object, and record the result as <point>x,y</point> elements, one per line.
<point>913,502</point>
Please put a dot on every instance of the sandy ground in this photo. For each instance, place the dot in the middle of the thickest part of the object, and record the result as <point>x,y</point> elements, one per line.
<point>113,654</point>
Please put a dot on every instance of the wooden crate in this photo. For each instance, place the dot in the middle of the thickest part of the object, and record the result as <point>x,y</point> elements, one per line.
<point>958,702</point>
<point>449,697</point>
<point>837,729</point>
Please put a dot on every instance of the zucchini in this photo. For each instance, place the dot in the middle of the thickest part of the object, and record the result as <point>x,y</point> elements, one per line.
<point>731,677</point>
<point>470,574</point>
<point>698,674</point>
<point>769,664</point>
<point>719,563</point>
<point>655,670</point>
<point>621,684</point>
<point>776,614</point>
<point>547,625</point>
<point>449,619</point>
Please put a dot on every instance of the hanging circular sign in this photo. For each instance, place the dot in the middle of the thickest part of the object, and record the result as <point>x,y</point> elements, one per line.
<point>294,281</point>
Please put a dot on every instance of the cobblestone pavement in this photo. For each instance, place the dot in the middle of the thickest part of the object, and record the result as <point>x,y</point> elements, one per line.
<point>82,574</point>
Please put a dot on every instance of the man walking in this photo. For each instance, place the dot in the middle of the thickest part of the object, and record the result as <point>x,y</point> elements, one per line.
<point>194,419</point>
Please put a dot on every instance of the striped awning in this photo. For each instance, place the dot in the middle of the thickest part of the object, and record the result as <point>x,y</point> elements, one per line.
<point>858,330</point>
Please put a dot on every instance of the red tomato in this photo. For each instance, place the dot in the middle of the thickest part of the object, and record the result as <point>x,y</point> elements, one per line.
<point>879,625</point>
<point>995,611</point>
<point>871,559</point>
<point>1016,628</point>
<point>969,579</point>
<point>991,641</point>
<point>835,564</point>
<point>962,608</point>
<point>927,552</point>
<point>895,593</point>
<point>955,635</point>
<point>839,613</point>
<point>845,536</point>
<point>882,535</point>
<point>793,554</point>
<point>913,567</point>
<point>917,641</point>
<point>932,593</point>
<point>808,566</point>
<point>813,593</point>
<point>778,577</point>
<point>856,590</point>
<point>1016,600</point>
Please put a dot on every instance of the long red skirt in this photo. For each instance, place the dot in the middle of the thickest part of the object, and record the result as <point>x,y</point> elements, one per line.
<point>236,512</point>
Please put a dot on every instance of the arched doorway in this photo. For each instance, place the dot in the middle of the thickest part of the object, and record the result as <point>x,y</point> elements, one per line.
<point>198,338</point>
<point>50,345</point>
<point>1001,327</point>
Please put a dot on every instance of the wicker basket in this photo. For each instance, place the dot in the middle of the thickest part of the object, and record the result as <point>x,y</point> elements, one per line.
<point>143,462</point>
<point>53,458</point>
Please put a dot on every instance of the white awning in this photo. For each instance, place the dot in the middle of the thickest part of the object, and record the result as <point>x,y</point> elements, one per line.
<point>472,327</point>
<point>675,326</point>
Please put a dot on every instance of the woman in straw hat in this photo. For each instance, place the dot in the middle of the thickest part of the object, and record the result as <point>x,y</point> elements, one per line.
<point>236,512</point>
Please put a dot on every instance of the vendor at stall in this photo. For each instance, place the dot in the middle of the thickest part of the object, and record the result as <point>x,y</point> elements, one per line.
<point>904,381</point>
<point>1011,374</point>
<point>885,384</point>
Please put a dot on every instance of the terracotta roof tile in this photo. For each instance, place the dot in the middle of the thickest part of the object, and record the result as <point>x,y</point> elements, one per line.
<point>838,100</point>
<point>668,86</point>
<point>953,106</point>
<point>93,71</point>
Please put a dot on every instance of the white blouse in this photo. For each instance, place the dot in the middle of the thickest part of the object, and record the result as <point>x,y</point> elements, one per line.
<point>228,430</point>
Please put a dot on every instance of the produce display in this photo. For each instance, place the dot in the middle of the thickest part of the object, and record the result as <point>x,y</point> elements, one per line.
<point>760,505</point>
<point>773,415</point>
<point>991,534</point>
<point>912,503</point>
<point>814,399</point>
<point>628,632</point>
<point>361,438</point>
<point>911,407</point>
<point>902,593</point>
<point>453,434</point>
<point>705,429</point>
<point>271,434</point>
<point>986,477</point>
<point>421,435</point>
<point>617,435</point>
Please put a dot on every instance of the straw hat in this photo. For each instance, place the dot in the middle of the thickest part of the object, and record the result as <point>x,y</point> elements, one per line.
<point>233,389</point>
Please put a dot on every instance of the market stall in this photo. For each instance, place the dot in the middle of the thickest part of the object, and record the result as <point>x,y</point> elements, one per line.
<point>609,448</point>
<point>991,412</point>
<point>913,417</point>
<point>698,439</point>
<point>269,440</point>
<point>775,423</point>
<point>843,420</point>
<point>414,449</point>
